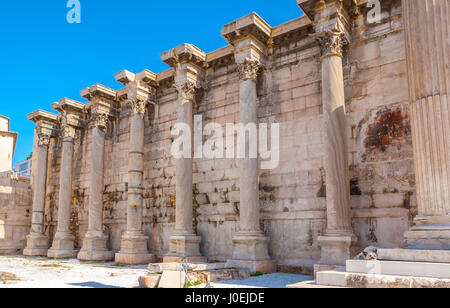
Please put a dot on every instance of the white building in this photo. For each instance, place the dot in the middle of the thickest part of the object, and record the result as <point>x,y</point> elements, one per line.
<point>7,145</point>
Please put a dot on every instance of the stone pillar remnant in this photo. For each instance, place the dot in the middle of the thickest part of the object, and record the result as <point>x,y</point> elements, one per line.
<point>37,240</point>
<point>63,242</point>
<point>250,37</point>
<point>188,62</point>
<point>428,54</point>
<point>101,106</point>
<point>138,94</point>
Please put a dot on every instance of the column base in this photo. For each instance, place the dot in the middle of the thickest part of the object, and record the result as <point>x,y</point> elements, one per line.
<point>250,247</point>
<point>185,247</point>
<point>337,249</point>
<point>264,267</point>
<point>251,252</point>
<point>430,232</point>
<point>63,246</point>
<point>37,245</point>
<point>94,249</point>
<point>133,250</point>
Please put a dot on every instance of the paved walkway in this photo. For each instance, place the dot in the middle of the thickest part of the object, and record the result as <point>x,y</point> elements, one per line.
<point>278,280</point>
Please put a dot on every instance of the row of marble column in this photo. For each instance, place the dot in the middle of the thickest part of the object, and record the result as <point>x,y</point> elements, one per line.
<point>250,244</point>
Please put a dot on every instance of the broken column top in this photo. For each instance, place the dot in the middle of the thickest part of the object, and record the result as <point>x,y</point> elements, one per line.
<point>69,105</point>
<point>331,14</point>
<point>142,85</point>
<point>102,97</point>
<point>43,116</point>
<point>186,53</point>
<point>126,77</point>
<point>189,63</point>
<point>252,25</point>
<point>98,91</point>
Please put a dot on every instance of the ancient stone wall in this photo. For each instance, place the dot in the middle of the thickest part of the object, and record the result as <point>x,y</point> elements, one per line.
<point>15,213</point>
<point>292,196</point>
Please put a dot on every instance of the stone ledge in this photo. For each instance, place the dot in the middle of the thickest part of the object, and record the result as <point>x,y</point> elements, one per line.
<point>400,268</point>
<point>433,256</point>
<point>354,280</point>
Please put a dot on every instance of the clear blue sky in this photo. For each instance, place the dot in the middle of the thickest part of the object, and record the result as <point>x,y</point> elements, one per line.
<point>44,58</point>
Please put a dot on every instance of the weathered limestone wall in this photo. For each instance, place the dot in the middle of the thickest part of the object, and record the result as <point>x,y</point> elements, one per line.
<point>382,166</point>
<point>292,196</point>
<point>15,213</point>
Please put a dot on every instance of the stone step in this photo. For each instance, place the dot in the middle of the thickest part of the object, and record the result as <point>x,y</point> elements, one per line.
<point>358,280</point>
<point>411,255</point>
<point>400,268</point>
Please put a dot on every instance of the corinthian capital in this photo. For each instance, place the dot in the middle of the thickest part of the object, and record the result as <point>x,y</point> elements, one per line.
<point>100,120</point>
<point>331,42</point>
<point>44,139</point>
<point>68,132</point>
<point>186,91</point>
<point>248,70</point>
<point>138,105</point>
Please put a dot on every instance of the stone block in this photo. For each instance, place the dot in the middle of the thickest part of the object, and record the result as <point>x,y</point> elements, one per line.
<point>400,268</point>
<point>172,280</point>
<point>150,281</point>
<point>411,255</point>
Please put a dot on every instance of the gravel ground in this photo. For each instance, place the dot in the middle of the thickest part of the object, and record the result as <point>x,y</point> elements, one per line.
<point>47,273</point>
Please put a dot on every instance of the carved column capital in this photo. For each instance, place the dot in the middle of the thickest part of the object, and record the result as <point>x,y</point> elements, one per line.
<point>138,105</point>
<point>44,139</point>
<point>68,132</point>
<point>186,91</point>
<point>249,69</point>
<point>331,42</point>
<point>100,120</point>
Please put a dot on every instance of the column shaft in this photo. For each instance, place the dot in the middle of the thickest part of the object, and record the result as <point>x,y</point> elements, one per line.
<point>184,178</point>
<point>249,177</point>
<point>133,248</point>
<point>37,241</point>
<point>250,246</point>
<point>335,138</point>
<point>94,244</point>
<point>184,243</point>
<point>40,191</point>
<point>96,182</point>
<point>63,243</point>
<point>65,187</point>
<point>135,174</point>
<point>428,57</point>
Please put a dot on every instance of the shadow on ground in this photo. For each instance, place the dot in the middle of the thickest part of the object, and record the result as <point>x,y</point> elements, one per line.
<point>93,284</point>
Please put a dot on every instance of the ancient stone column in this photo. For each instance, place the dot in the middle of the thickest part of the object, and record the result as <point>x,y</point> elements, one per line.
<point>337,243</point>
<point>184,243</point>
<point>250,245</point>
<point>134,243</point>
<point>63,242</point>
<point>428,57</point>
<point>251,37</point>
<point>37,240</point>
<point>189,63</point>
<point>94,245</point>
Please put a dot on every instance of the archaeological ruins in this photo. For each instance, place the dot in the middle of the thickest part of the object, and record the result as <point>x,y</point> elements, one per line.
<point>364,150</point>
